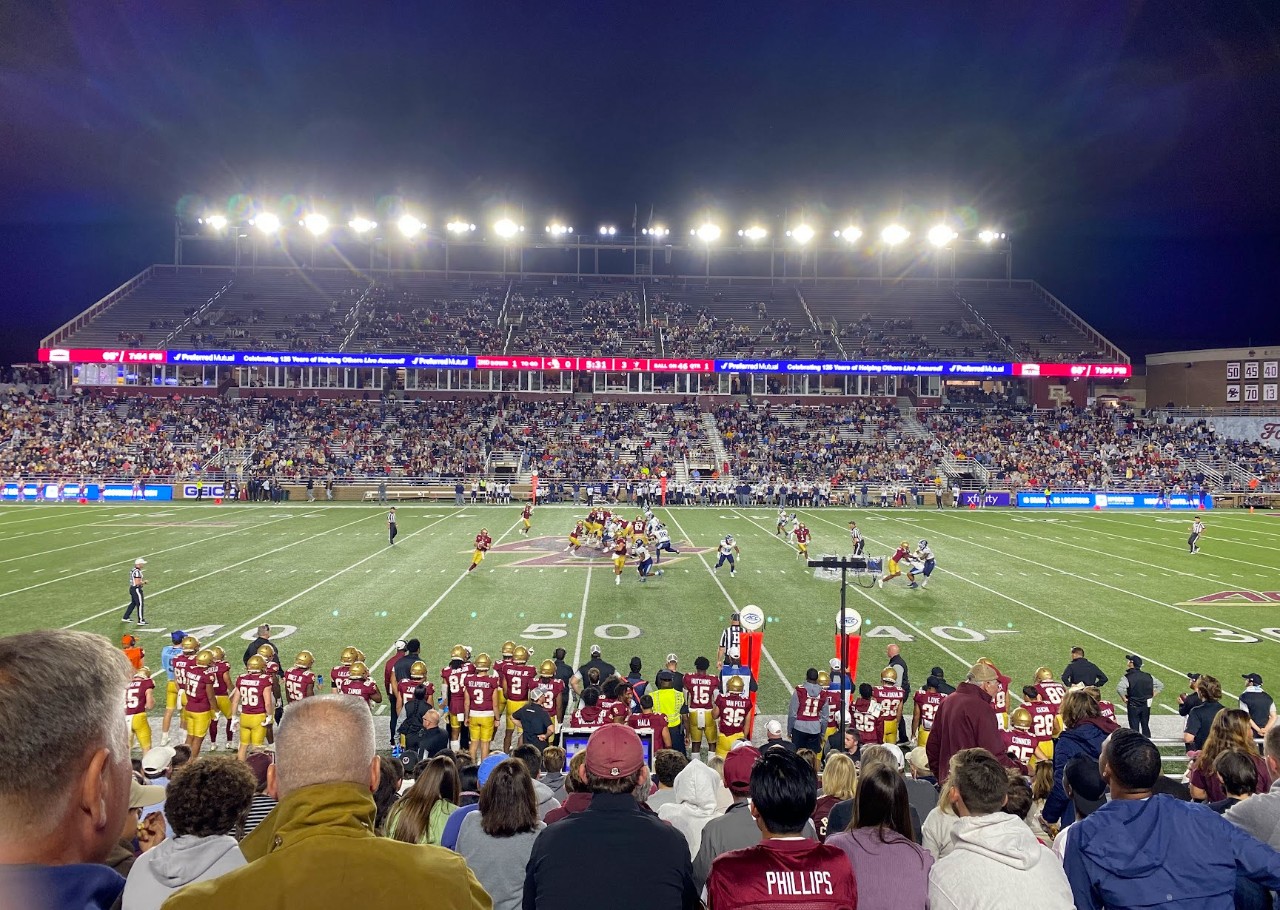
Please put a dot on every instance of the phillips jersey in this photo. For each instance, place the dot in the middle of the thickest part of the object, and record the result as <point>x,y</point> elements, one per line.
<point>1052,692</point>
<point>734,708</point>
<point>297,682</point>
<point>480,690</point>
<point>253,689</point>
<point>702,690</point>
<point>781,874</point>
<point>518,681</point>
<point>868,720</point>
<point>135,696</point>
<point>927,707</point>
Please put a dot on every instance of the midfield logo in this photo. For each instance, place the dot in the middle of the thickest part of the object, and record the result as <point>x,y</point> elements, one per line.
<point>549,552</point>
<point>1234,598</point>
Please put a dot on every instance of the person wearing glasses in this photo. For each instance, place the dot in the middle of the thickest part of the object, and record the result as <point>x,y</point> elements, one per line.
<point>965,720</point>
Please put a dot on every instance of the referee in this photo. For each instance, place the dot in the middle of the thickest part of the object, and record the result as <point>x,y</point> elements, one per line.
<point>730,642</point>
<point>391,526</point>
<point>136,597</point>
<point>855,538</point>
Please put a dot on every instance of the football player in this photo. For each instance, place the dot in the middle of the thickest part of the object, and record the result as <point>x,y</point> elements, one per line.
<point>663,538</point>
<point>254,704</point>
<point>455,699</point>
<point>483,543</point>
<point>551,687</point>
<point>899,556</point>
<point>727,549</point>
<point>638,525</point>
<point>198,684</point>
<point>1045,723</point>
<point>338,675</point>
<point>802,542</point>
<point>701,689</point>
<point>221,696</point>
<point>732,714</point>
<point>517,682</point>
<point>575,539</point>
<point>1193,542</point>
<point>1107,708</point>
<point>359,684</point>
<point>1049,688</point>
<point>139,698</point>
<point>619,559</point>
<point>868,716</point>
<point>890,698</point>
<point>589,714</point>
<point>167,656</point>
<point>479,688</point>
<point>644,561</point>
<point>832,699</point>
<point>926,701</point>
<point>500,668</point>
<point>648,719</point>
<point>299,681</point>
<point>922,563</point>
<point>1019,743</point>
<point>269,654</point>
<point>190,646</point>
<point>782,523</point>
<point>526,518</point>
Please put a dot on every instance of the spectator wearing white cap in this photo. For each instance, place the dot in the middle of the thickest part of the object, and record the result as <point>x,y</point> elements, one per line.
<point>773,737</point>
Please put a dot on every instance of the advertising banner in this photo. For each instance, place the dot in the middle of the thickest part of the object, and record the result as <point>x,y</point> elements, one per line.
<point>113,492</point>
<point>988,499</point>
<point>1109,500</point>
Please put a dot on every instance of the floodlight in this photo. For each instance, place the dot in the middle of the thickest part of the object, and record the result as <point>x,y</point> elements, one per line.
<point>894,234</point>
<point>940,235</point>
<point>316,223</point>
<point>217,222</point>
<point>410,226</point>
<point>990,236</point>
<point>755,232</point>
<point>361,225</point>
<point>267,223</point>
<point>850,234</point>
<point>460,227</point>
<point>801,234</point>
<point>557,229</point>
<point>506,228</point>
<point>607,230</point>
<point>708,232</point>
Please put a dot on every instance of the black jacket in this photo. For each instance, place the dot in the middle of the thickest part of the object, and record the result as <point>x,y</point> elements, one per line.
<point>1083,672</point>
<point>897,661</point>
<point>258,643</point>
<point>400,669</point>
<point>1141,688</point>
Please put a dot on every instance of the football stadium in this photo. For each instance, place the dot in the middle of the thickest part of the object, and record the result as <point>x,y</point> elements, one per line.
<point>817,556</point>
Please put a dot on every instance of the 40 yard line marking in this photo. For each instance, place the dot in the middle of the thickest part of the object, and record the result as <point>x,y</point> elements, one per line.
<point>582,620</point>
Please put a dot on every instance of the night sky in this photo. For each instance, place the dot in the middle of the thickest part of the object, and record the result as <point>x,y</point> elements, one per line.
<point>1132,150</point>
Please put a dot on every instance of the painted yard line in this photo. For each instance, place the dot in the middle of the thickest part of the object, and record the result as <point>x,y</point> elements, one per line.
<point>786,685</point>
<point>1183,547</point>
<point>966,665</point>
<point>1123,648</point>
<point>439,600</point>
<point>153,553</point>
<point>1072,546</point>
<point>233,565</point>
<point>1103,584</point>
<point>47,514</point>
<point>106,523</point>
<point>85,543</point>
<point>582,622</point>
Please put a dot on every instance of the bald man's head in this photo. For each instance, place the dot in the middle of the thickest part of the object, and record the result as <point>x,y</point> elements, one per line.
<point>322,740</point>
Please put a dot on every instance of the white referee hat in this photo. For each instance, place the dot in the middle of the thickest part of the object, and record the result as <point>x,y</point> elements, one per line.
<point>139,561</point>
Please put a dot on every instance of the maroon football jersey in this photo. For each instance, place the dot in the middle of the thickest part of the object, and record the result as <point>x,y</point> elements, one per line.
<point>890,698</point>
<point>868,722</point>
<point>783,873</point>
<point>253,689</point>
<point>1052,692</point>
<point>588,716</point>
<point>196,678</point>
<point>362,688</point>
<point>180,664</point>
<point>1042,716</point>
<point>927,707</point>
<point>406,687</point>
<point>554,688</point>
<point>809,707</point>
<point>734,709</point>
<point>1108,710</point>
<point>1000,701</point>
<point>221,678</point>
<point>1021,746</point>
<point>297,682</point>
<point>339,675</point>
<point>480,690</point>
<point>135,696</point>
<point>702,689</point>
<point>655,722</point>
<point>452,678</point>
<point>518,681</point>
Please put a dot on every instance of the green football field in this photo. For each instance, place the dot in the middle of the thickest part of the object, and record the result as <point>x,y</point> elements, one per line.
<point>1019,587</point>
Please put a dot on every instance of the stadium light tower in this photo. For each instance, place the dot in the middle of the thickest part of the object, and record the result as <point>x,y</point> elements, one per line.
<point>655,232</point>
<point>849,235</point>
<point>361,225</point>
<point>608,230</point>
<point>555,229</point>
<point>755,233</point>
<point>410,226</point>
<point>266,222</point>
<point>506,228</point>
<point>315,223</point>
<point>941,234</point>
<point>460,227</point>
<point>215,222</point>
<point>708,232</point>
<point>894,234</point>
<point>801,234</point>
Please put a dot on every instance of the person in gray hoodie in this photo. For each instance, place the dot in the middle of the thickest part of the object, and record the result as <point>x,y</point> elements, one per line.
<point>807,714</point>
<point>995,862</point>
<point>204,802</point>
<point>532,760</point>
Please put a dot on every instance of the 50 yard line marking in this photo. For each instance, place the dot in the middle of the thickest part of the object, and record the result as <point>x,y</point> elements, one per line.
<point>733,604</point>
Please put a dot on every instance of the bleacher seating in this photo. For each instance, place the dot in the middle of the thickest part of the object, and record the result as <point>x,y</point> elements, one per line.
<point>1033,329</point>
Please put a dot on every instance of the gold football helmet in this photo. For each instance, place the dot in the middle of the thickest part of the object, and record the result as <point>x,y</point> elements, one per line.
<point>520,655</point>
<point>458,652</point>
<point>190,645</point>
<point>144,672</point>
<point>824,678</point>
<point>483,661</point>
<point>218,653</point>
<point>256,664</point>
<point>1020,719</point>
<point>267,653</point>
<point>508,648</point>
<point>417,670</point>
<point>304,660</point>
<point>359,655</point>
<point>736,685</point>
<point>350,655</point>
<point>888,675</point>
<point>359,670</point>
<point>547,667</point>
<point>1044,674</point>
<point>204,659</point>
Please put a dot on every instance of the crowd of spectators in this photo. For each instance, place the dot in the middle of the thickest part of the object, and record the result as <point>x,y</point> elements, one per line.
<point>396,318</point>
<point>574,321</point>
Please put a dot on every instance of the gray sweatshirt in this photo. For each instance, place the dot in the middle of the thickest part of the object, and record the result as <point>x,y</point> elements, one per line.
<point>177,862</point>
<point>498,862</point>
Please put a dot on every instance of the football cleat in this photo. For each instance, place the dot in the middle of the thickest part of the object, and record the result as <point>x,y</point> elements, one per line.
<point>190,645</point>
<point>417,670</point>
<point>1020,719</point>
<point>359,670</point>
<point>736,684</point>
<point>350,655</point>
<point>256,664</point>
<point>204,659</point>
<point>304,660</point>
<point>483,661</point>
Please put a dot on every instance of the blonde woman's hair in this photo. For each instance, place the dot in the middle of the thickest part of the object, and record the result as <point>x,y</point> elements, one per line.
<point>840,776</point>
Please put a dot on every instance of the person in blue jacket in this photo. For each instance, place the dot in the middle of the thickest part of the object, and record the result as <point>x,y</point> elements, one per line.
<point>1083,731</point>
<point>1143,849</point>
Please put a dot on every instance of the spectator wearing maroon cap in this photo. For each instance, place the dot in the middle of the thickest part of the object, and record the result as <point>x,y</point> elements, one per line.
<point>578,856</point>
<point>785,869</point>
